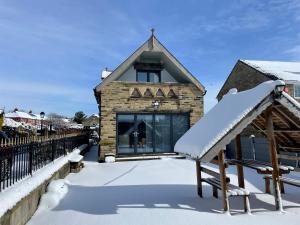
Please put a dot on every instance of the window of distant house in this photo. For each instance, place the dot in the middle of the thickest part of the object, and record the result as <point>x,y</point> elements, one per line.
<point>297,91</point>
<point>148,76</point>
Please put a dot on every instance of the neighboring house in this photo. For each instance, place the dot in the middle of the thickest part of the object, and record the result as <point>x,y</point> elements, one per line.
<point>147,103</point>
<point>26,117</point>
<point>247,74</point>
<point>91,121</point>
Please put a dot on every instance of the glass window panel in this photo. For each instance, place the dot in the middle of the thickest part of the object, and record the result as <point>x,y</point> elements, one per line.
<point>180,126</point>
<point>154,77</point>
<point>297,91</point>
<point>144,133</point>
<point>125,134</point>
<point>141,76</point>
<point>162,133</point>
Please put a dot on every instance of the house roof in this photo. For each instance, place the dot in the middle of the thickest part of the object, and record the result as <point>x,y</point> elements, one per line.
<point>25,115</point>
<point>288,71</point>
<point>231,115</point>
<point>154,47</point>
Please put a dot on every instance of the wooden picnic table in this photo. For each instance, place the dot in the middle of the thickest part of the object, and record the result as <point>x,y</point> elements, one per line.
<point>259,166</point>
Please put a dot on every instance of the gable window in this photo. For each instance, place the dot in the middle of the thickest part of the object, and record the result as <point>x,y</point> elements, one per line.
<point>297,91</point>
<point>148,76</point>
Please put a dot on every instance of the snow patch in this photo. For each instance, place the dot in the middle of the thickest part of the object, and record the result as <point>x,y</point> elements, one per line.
<point>56,191</point>
<point>110,159</point>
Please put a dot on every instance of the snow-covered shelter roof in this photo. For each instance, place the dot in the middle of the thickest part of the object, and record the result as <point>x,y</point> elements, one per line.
<point>288,71</point>
<point>233,114</point>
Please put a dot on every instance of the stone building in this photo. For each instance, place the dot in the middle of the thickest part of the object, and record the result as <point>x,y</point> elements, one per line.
<point>247,74</point>
<point>147,103</point>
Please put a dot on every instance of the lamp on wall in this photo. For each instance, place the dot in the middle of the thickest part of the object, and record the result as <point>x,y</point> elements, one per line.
<point>42,115</point>
<point>155,104</point>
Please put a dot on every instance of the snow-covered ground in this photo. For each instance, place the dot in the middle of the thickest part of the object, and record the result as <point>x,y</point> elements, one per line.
<point>154,192</point>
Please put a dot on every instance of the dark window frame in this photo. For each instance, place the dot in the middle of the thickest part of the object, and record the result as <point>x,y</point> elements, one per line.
<point>187,114</point>
<point>148,75</point>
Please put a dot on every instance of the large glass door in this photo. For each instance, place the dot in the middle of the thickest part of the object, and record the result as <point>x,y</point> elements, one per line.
<point>149,132</point>
<point>144,129</point>
<point>126,134</point>
<point>162,133</point>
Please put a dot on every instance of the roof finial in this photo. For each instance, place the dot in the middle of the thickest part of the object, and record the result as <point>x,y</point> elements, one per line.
<point>152,31</point>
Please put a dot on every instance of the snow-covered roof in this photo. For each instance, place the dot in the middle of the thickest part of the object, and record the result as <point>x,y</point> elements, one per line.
<point>105,73</point>
<point>19,114</point>
<point>288,71</point>
<point>26,115</point>
<point>11,123</point>
<point>210,134</point>
<point>95,115</point>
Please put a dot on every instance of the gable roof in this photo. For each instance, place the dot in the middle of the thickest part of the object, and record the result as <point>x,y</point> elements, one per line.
<point>288,71</point>
<point>151,45</point>
<point>229,117</point>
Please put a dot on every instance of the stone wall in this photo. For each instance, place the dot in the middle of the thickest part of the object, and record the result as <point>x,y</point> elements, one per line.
<point>26,207</point>
<point>242,77</point>
<point>117,97</point>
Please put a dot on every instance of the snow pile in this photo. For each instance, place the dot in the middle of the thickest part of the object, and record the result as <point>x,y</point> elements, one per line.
<point>221,119</point>
<point>105,73</point>
<point>11,196</point>
<point>110,159</point>
<point>282,70</point>
<point>11,123</point>
<point>56,191</point>
<point>76,158</point>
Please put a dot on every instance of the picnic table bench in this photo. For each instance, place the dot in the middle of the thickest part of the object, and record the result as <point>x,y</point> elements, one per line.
<point>215,182</point>
<point>283,180</point>
<point>260,167</point>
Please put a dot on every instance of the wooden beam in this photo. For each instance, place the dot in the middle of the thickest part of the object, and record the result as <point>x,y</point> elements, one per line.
<point>281,118</point>
<point>283,114</point>
<point>239,156</point>
<point>221,157</point>
<point>199,179</point>
<point>280,139</point>
<point>282,130</point>
<point>274,159</point>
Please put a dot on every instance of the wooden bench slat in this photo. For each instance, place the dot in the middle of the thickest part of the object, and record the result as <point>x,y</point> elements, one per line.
<point>232,189</point>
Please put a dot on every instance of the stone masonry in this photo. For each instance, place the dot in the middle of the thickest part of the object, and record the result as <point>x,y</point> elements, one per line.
<point>117,97</point>
<point>244,77</point>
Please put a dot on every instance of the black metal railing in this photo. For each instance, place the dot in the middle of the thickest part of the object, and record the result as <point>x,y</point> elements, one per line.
<point>18,161</point>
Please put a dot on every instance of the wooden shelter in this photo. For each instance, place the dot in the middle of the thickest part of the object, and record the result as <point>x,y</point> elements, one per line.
<point>269,110</point>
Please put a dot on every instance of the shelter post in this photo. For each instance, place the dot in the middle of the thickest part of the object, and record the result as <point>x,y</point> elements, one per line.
<point>239,167</point>
<point>239,156</point>
<point>199,182</point>
<point>222,168</point>
<point>274,159</point>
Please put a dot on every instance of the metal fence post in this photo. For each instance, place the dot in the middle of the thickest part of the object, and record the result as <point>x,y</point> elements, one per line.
<point>52,150</point>
<point>30,157</point>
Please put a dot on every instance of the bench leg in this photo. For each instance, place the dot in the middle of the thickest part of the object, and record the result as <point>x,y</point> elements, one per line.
<point>267,182</point>
<point>282,187</point>
<point>215,191</point>
<point>247,204</point>
<point>199,179</point>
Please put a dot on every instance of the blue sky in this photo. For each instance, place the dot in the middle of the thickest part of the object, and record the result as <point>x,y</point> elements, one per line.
<point>52,52</point>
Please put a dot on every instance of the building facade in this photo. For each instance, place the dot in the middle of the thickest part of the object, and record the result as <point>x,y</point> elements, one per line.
<point>147,103</point>
<point>247,74</point>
